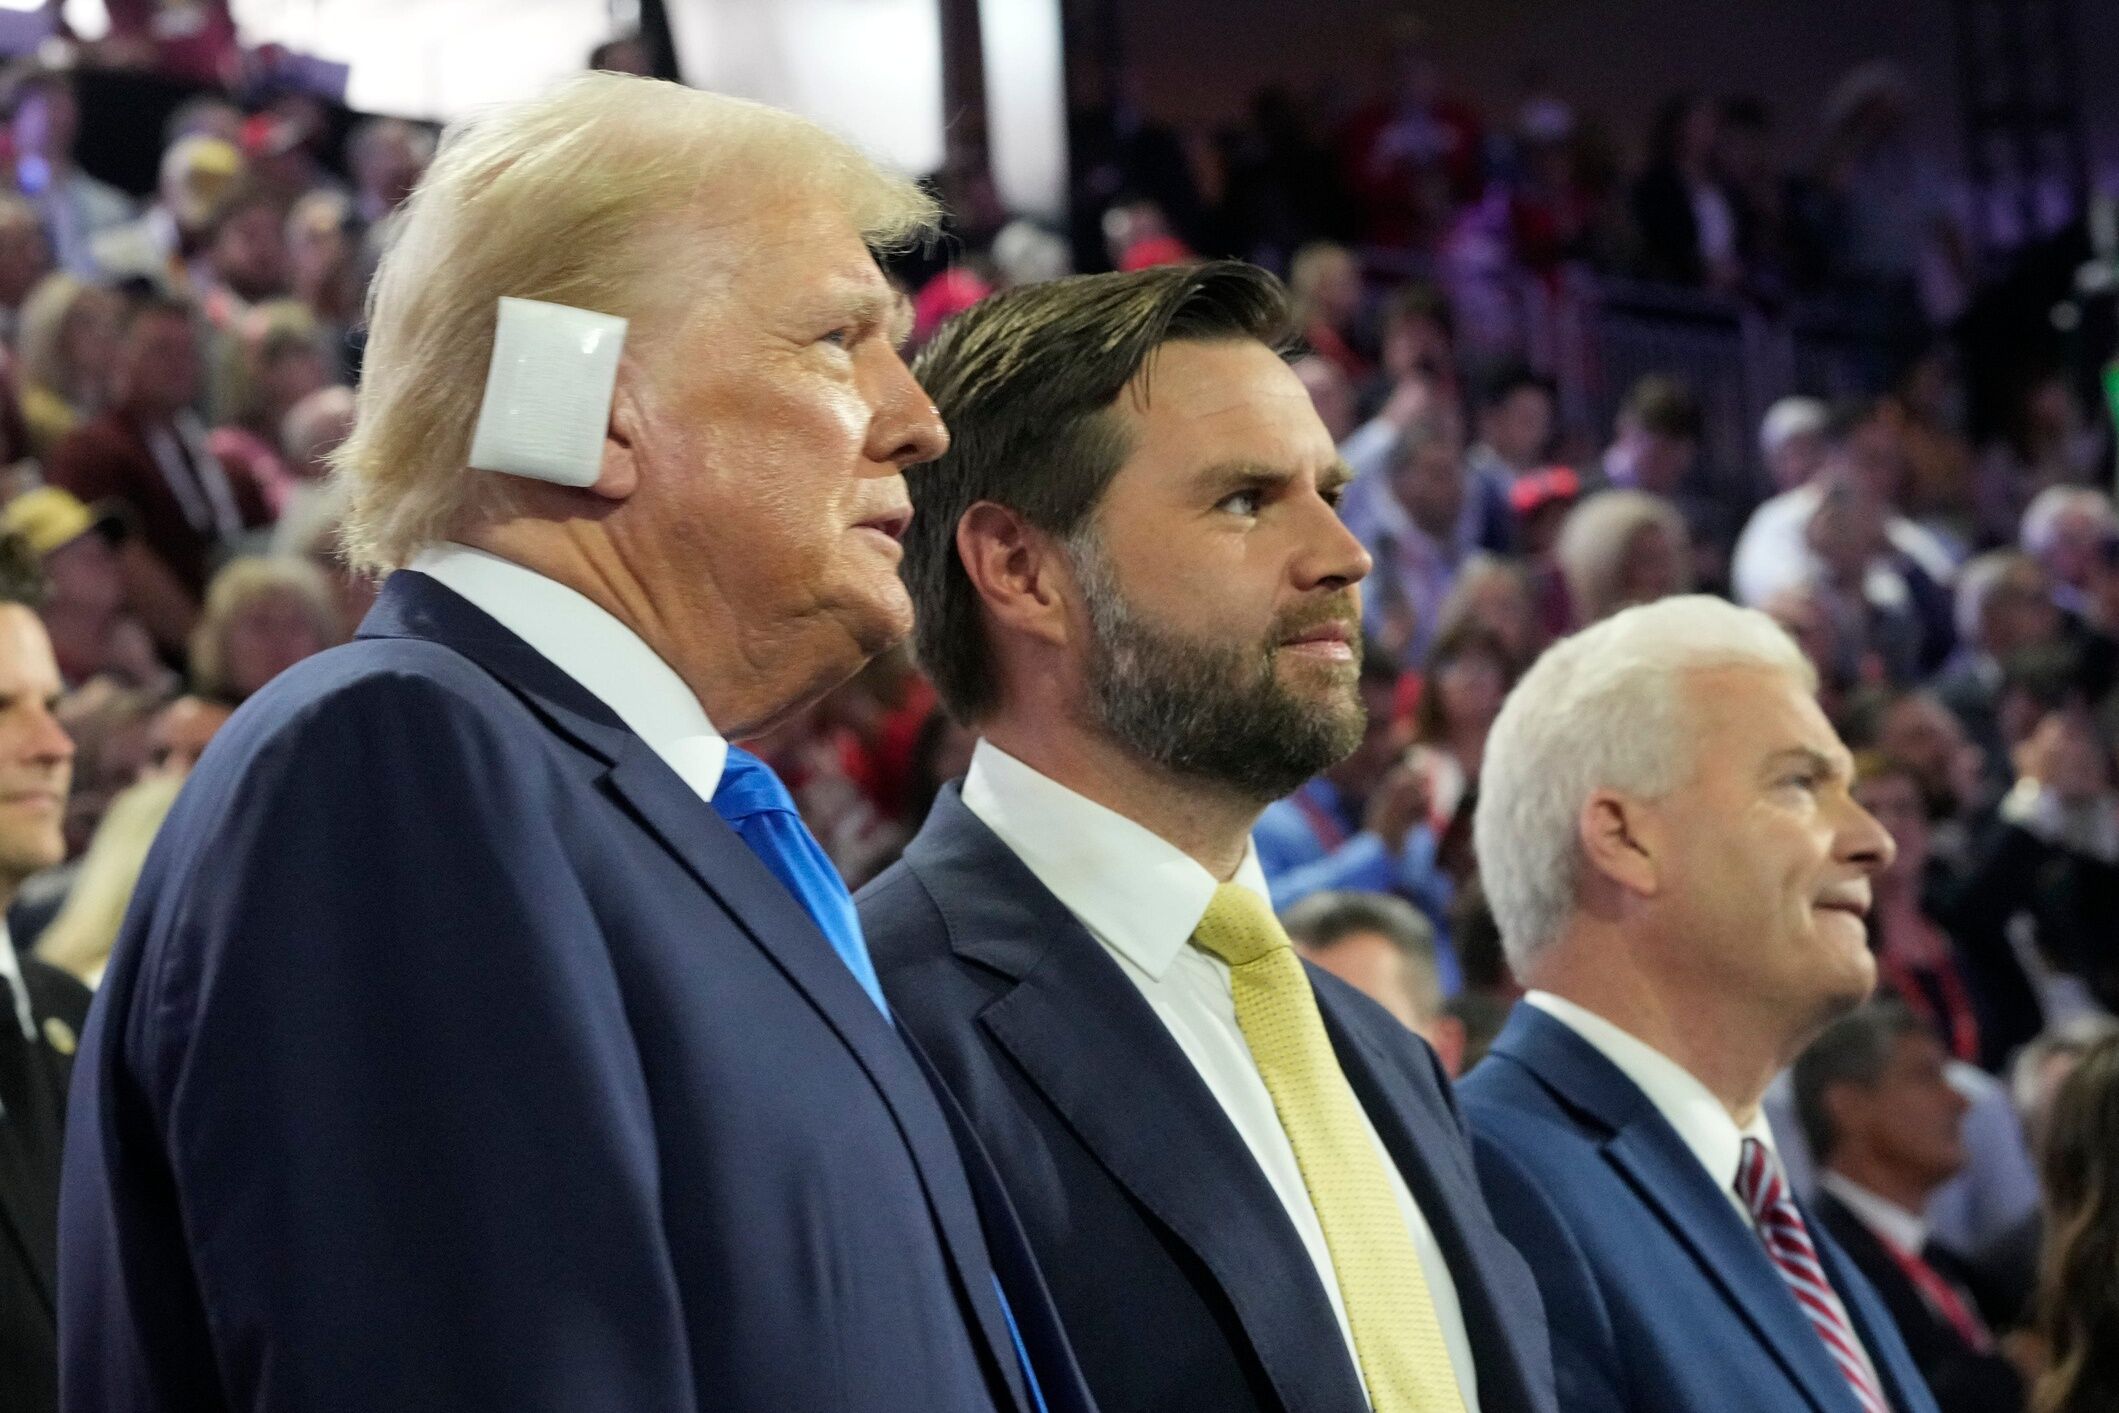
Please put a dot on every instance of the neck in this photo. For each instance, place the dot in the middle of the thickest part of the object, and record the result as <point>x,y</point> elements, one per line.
<point>1719,1039</point>
<point>1210,826</point>
<point>747,683</point>
<point>1902,1190</point>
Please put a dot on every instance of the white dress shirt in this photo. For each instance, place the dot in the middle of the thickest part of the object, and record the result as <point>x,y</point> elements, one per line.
<point>1142,897</point>
<point>1700,1119</point>
<point>17,988</point>
<point>588,644</point>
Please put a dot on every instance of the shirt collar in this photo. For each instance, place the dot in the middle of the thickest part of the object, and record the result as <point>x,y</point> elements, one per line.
<point>1906,1231</point>
<point>593,647</point>
<point>1686,1104</point>
<point>18,989</point>
<point>1138,893</point>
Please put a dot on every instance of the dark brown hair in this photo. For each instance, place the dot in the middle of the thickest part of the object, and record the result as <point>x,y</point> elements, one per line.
<point>1027,383</point>
<point>2078,1295</point>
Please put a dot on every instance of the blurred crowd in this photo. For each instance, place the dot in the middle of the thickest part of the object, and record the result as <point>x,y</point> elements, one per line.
<point>178,369</point>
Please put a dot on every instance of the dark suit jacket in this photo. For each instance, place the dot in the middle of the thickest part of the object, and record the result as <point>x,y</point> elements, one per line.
<point>1662,1298</point>
<point>1181,1282</point>
<point>107,459</point>
<point>1962,1379</point>
<point>455,1055</point>
<point>30,1129</point>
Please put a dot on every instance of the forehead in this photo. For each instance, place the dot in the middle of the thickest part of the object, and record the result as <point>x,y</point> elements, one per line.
<point>1198,403</point>
<point>26,662</point>
<point>797,256</point>
<point>1744,715</point>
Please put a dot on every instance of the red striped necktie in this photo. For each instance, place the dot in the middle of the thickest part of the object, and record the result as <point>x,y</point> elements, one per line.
<point>1764,1189</point>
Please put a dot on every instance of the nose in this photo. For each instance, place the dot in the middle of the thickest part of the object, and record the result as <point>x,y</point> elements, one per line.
<point>47,742</point>
<point>1863,841</point>
<point>1329,556</point>
<point>905,429</point>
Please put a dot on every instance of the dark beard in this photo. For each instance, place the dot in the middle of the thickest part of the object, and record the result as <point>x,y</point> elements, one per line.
<point>1211,711</point>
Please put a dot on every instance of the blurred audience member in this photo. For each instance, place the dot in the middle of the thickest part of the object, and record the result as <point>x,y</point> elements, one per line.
<point>262,616</point>
<point>149,450</point>
<point>110,725</point>
<point>2046,444</point>
<point>1685,216</point>
<point>2078,1302</point>
<point>68,336</point>
<point>1468,676</point>
<point>42,1010</point>
<point>1495,594</point>
<point>79,939</point>
<point>1970,992</point>
<point>2067,529</point>
<point>79,551</point>
<point>2004,607</point>
<point>180,733</point>
<point>1382,947</point>
<point>1791,441</point>
<point>1621,548</point>
<point>1517,415</point>
<point>43,117</point>
<point>244,262</point>
<point>197,175</point>
<point>1419,526</point>
<point>1886,1128</point>
<point>273,358</point>
<point>1326,282</point>
<point>25,260</point>
<point>324,266</point>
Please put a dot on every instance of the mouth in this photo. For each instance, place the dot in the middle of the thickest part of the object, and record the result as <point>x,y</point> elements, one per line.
<point>891,524</point>
<point>31,799</point>
<point>1853,904</point>
<point>1330,642</point>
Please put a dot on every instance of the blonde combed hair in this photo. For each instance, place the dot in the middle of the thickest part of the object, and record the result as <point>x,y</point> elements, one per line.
<point>578,197</point>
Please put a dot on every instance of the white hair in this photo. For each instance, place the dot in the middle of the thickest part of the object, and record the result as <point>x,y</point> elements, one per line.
<point>1788,419</point>
<point>617,194</point>
<point>1976,583</point>
<point>1603,710</point>
<point>2041,520</point>
<point>1596,539</point>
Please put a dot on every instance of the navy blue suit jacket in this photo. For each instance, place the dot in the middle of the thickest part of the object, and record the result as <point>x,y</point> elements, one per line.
<point>1662,1298</point>
<point>455,1055</point>
<point>1181,1282</point>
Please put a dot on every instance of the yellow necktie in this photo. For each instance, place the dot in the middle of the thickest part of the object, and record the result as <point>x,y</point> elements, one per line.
<point>1397,1338</point>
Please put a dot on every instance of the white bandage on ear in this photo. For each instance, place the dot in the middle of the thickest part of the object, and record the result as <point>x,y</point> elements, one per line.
<point>548,392</point>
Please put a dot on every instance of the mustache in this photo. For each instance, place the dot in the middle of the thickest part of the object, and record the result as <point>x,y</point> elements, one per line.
<point>1340,608</point>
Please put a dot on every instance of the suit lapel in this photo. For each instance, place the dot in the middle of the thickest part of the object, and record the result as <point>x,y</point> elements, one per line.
<point>29,1140</point>
<point>1089,1041</point>
<point>690,829</point>
<point>1669,1179</point>
<point>1411,1119</point>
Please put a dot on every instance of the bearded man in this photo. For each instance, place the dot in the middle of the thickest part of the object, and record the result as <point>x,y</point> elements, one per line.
<point>1247,1184</point>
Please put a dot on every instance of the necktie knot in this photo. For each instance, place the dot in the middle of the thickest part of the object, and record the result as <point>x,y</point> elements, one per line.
<point>1239,927</point>
<point>1758,1179</point>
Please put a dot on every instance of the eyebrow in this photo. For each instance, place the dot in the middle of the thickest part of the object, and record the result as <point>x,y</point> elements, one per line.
<point>1828,766</point>
<point>1224,476</point>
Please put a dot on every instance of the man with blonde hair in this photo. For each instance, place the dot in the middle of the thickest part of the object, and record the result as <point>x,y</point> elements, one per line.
<point>1680,872</point>
<point>488,1032</point>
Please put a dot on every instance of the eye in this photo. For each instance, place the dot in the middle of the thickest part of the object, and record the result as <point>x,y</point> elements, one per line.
<point>1333,495</point>
<point>1807,780</point>
<point>1248,501</point>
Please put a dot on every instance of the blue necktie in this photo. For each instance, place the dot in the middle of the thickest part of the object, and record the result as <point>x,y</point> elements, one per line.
<point>757,806</point>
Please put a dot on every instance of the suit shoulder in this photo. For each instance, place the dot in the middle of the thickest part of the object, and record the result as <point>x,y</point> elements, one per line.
<point>901,919</point>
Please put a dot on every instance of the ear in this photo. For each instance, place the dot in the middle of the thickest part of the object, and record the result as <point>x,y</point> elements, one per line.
<point>1017,569</point>
<point>620,474</point>
<point>1613,830</point>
